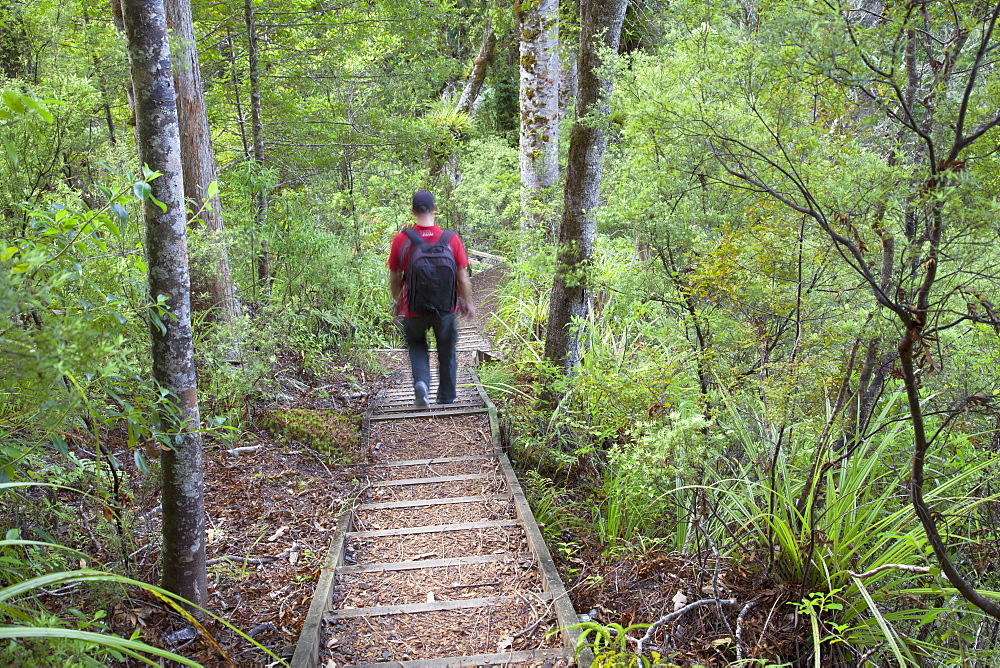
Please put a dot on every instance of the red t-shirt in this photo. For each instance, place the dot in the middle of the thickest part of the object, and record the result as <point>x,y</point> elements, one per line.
<point>430,234</point>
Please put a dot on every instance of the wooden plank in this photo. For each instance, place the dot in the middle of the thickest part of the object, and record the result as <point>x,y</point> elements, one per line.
<point>565,613</point>
<point>441,501</point>
<point>436,460</point>
<point>436,563</point>
<point>307,648</point>
<point>436,528</point>
<point>530,656</point>
<point>425,481</point>
<point>417,608</point>
<point>396,415</point>
<point>408,402</point>
<point>490,256</point>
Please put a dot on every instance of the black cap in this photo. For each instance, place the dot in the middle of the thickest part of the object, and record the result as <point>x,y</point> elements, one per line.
<point>423,202</point>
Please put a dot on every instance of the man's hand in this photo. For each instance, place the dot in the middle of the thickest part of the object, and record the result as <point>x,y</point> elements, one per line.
<point>466,309</point>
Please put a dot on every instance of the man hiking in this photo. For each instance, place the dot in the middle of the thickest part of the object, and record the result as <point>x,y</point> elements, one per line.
<point>429,282</point>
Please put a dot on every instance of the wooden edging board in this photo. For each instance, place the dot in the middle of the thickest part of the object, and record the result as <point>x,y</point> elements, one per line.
<point>565,613</point>
<point>307,648</point>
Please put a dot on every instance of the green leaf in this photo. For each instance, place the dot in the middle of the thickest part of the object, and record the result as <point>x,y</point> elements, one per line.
<point>130,647</point>
<point>142,190</point>
<point>163,207</point>
<point>140,461</point>
<point>213,190</point>
<point>13,100</point>
<point>119,211</point>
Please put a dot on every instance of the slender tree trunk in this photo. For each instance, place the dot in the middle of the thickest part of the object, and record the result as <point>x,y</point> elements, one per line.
<point>257,129</point>
<point>211,280</point>
<point>601,23</point>
<point>170,326</point>
<point>119,20</point>
<point>474,84</point>
<point>538,22</point>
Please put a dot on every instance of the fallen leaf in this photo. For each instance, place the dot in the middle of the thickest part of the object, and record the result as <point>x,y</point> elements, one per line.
<point>680,600</point>
<point>277,534</point>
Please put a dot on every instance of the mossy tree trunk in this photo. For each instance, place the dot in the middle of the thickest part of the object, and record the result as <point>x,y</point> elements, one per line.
<point>211,280</point>
<point>600,25</point>
<point>538,23</point>
<point>184,568</point>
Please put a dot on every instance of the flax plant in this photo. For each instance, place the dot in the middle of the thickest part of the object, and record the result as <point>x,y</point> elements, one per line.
<point>848,532</point>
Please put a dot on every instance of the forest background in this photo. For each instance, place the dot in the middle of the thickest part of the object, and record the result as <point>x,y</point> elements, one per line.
<point>786,357</point>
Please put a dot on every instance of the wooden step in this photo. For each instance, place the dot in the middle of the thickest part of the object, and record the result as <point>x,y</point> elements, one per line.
<point>435,563</point>
<point>435,528</point>
<point>428,481</point>
<point>435,460</point>
<point>417,608</point>
<point>532,657</point>
<point>446,500</point>
<point>415,412</point>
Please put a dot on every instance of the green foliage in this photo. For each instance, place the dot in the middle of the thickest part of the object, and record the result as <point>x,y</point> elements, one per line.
<point>488,196</point>
<point>328,432</point>
<point>610,645</point>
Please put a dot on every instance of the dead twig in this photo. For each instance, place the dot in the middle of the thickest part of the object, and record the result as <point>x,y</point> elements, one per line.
<point>740,649</point>
<point>674,615</point>
<point>919,570</point>
<point>254,561</point>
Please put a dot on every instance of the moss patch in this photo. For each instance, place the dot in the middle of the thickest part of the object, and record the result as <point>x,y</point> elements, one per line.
<point>328,432</point>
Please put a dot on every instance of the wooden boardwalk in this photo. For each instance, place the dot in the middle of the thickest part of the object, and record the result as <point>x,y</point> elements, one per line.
<point>441,564</point>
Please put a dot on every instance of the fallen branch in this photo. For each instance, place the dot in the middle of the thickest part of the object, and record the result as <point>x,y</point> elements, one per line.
<point>244,450</point>
<point>919,570</point>
<point>475,584</point>
<point>674,615</point>
<point>739,629</point>
<point>260,628</point>
<point>254,561</point>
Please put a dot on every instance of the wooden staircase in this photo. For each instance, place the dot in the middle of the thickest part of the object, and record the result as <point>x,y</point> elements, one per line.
<point>441,562</point>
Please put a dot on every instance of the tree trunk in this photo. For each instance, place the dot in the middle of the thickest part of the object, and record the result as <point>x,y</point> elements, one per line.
<point>257,129</point>
<point>567,80</point>
<point>601,23</point>
<point>170,326</point>
<point>538,22</point>
<point>211,280</point>
<point>474,84</point>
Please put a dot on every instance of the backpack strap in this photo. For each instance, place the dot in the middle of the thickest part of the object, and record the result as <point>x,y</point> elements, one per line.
<point>412,236</point>
<point>446,237</point>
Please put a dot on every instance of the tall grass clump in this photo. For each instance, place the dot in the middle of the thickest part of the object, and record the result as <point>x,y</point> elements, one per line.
<point>837,530</point>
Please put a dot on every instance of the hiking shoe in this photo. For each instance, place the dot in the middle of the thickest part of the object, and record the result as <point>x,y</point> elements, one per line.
<point>420,394</point>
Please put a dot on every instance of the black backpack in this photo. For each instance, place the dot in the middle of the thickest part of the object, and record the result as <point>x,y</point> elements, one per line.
<point>431,274</point>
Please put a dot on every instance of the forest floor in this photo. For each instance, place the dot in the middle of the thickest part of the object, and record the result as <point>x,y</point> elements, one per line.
<point>272,509</point>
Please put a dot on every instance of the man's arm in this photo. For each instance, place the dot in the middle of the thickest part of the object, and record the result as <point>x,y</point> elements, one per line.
<point>464,287</point>
<point>395,289</point>
<point>395,284</point>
